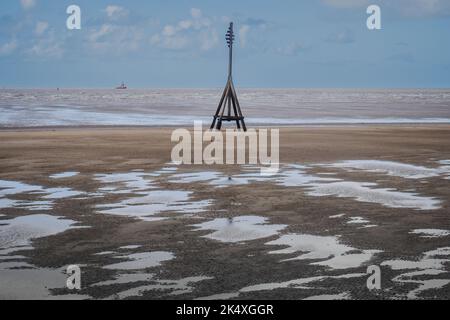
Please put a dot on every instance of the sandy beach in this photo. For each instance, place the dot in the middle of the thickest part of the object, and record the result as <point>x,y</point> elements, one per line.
<point>110,201</point>
<point>222,159</point>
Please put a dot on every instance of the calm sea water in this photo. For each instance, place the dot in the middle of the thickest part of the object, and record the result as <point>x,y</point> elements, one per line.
<point>162,107</point>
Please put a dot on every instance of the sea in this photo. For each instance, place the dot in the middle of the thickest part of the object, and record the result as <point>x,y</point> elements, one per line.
<point>22,108</point>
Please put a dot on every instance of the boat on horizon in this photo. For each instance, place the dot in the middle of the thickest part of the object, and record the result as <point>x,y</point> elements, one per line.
<point>122,87</point>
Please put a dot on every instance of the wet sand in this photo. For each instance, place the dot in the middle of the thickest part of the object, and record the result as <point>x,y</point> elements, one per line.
<point>186,249</point>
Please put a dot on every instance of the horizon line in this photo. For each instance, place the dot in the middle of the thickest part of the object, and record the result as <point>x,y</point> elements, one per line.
<point>214,88</point>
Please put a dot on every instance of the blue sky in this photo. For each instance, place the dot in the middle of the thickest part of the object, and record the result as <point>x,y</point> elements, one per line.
<point>180,43</point>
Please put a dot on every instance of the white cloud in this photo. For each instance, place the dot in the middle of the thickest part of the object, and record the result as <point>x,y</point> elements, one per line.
<point>116,39</point>
<point>196,31</point>
<point>292,49</point>
<point>252,33</point>
<point>8,48</point>
<point>116,12</point>
<point>196,13</point>
<point>209,40</point>
<point>243,32</point>
<point>342,37</point>
<point>423,7</point>
<point>347,3</point>
<point>175,43</point>
<point>47,48</point>
<point>169,31</point>
<point>185,24</point>
<point>404,7</point>
<point>155,39</point>
<point>27,4</point>
<point>96,35</point>
<point>41,27</point>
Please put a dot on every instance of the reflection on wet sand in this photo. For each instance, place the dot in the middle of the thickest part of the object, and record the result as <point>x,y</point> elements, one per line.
<point>155,195</point>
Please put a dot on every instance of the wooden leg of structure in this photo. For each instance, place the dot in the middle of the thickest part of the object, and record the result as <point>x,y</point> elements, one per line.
<point>225,94</point>
<point>229,103</point>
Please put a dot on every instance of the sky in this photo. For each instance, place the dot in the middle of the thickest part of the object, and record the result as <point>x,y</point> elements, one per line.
<point>181,44</point>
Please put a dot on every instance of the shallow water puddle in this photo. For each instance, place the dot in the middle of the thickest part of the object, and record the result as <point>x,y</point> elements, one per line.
<point>7,203</point>
<point>131,247</point>
<point>126,278</point>
<point>219,179</point>
<point>169,169</point>
<point>134,181</point>
<point>290,176</point>
<point>129,182</point>
<point>21,230</point>
<point>142,260</point>
<point>156,202</point>
<point>20,280</point>
<point>425,285</point>
<point>430,260</point>
<point>27,282</point>
<point>61,193</point>
<point>34,205</point>
<point>15,187</point>
<point>220,296</point>
<point>354,221</point>
<point>368,226</point>
<point>337,216</point>
<point>357,220</point>
<point>328,249</point>
<point>391,168</point>
<point>240,229</point>
<point>192,177</point>
<point>396,169</point>
<point>11,188</point>
<point>64,175</point>
<point>34,284</point>
<point>431,233</point>
<point>23,281</point>
<point>299,178</point>
<point>105,253</point>
<point>339,296</point>
<point>360,221</point>
<point>362,192</point>
<point>247,178</point>
<point>171,287</point>
<point>302,283</point>
<point>366,192</point>
<point>432,263</point>
<point>445,168</point>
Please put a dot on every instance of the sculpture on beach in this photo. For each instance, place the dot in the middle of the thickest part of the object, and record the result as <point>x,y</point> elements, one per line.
<point>229,108</point>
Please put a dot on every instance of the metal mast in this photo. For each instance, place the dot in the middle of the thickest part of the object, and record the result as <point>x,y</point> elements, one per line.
<point>229,100</point>
<point>230,40</point>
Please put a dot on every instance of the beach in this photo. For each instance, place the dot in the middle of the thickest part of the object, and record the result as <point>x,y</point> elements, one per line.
<point>224,159</point>
<point>109,200</point>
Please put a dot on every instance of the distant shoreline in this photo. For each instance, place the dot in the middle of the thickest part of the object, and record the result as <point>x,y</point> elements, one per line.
<point>218,87</point>
<point>206,127</point>
<point>260,107</point>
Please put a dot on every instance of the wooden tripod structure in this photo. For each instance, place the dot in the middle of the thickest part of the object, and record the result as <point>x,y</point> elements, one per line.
<point>229,100</point>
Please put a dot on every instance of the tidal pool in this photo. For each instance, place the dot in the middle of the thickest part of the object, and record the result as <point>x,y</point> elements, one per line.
<point>239,229</point>
<point>327,249</point>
